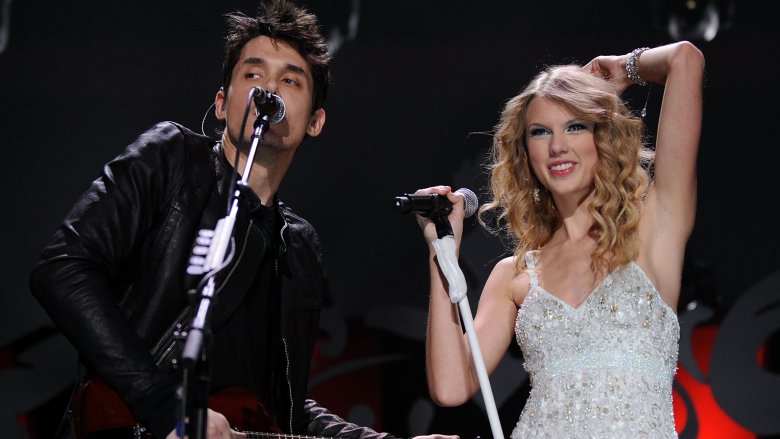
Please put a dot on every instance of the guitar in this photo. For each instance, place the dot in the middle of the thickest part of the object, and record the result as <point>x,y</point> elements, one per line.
<point>99,413</point>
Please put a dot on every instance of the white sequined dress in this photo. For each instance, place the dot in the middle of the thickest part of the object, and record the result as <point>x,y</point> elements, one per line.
<point>603,369</point>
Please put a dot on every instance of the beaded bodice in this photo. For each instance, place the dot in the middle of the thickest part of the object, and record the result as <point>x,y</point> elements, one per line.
<point>603,369</point>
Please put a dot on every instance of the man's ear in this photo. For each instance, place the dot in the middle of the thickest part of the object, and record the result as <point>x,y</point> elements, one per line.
<point>316,122</point>
<point>219,104</point>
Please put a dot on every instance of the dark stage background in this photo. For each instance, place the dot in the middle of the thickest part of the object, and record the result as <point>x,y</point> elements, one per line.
<point>416,82</point>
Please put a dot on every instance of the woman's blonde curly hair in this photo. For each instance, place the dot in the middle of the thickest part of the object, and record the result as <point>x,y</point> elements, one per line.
<point>622,174</point>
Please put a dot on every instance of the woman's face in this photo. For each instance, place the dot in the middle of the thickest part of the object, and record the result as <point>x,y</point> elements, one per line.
<point>561,149</point>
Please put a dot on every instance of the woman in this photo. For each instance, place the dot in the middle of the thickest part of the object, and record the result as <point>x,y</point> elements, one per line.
<point>591,289</point>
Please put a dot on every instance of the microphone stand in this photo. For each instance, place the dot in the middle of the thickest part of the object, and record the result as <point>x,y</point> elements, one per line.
<point>194,354</point>
<point>448,263</point>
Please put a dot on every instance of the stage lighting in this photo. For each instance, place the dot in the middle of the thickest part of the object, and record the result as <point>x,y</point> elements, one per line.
<point>697,20</point>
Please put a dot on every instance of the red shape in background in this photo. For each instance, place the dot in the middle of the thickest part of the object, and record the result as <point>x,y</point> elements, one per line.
<point>8,362</point>
<point>360,386</point>
<point>714,423</point>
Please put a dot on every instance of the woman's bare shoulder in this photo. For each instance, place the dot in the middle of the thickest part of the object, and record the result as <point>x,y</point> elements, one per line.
<point>512,281</point>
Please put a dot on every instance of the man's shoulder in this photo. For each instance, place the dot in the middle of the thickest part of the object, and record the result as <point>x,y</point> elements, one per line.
<point>169,135</point>
<point>167,154</point>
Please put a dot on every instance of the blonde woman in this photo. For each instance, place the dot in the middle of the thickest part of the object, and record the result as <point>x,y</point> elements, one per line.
<point>600,224</point>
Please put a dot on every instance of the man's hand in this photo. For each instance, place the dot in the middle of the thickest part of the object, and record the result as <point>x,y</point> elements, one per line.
<point>437,436</point>
<point>218,428</point>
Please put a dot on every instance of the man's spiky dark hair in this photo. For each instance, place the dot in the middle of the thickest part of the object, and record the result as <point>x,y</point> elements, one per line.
<point>284,21</point>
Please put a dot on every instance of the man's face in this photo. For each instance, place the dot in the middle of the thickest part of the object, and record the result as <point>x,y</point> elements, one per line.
<point>276,67</point>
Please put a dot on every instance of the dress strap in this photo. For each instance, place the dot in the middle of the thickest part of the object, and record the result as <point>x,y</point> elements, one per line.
<point>530,263</point>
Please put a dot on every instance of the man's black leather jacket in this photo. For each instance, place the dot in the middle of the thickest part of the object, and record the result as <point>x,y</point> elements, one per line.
<point>113,279</point>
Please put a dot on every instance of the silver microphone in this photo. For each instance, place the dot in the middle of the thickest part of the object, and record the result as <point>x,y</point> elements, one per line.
<point>470,201</point>
<point>268,104</point>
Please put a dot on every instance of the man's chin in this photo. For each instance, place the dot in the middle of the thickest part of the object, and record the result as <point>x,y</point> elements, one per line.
<point>264,143</point>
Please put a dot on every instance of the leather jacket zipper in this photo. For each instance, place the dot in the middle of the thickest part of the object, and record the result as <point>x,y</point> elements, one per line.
<point>282,250</point>
<point>171,343</point>
<point>289,382</point>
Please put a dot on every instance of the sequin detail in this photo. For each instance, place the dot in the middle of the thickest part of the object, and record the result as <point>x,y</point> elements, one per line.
<point>603,369</point>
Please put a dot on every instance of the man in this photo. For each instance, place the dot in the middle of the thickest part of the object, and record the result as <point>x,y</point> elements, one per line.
<point>113,277</point>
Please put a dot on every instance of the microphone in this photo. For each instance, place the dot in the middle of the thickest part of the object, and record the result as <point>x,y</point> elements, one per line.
<point>429,204</point>
<point>269,105</point>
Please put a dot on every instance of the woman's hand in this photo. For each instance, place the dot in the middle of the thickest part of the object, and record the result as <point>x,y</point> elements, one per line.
<point>455,217</point>
<point>612,68</point>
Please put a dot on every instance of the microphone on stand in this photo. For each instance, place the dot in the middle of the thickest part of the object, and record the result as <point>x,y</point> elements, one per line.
<point>430,204</point>
<point>269,105</point>
<point>437,207</point>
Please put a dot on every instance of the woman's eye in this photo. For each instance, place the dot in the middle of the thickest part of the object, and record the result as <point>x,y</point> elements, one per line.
<point>537,132</point>
<point>577,127</point>
<point>289,81</point>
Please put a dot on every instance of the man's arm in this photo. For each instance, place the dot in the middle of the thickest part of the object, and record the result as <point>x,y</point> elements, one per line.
<point>89,265</point>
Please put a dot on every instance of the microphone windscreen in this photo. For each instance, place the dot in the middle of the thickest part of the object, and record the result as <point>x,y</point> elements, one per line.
<point>279,115</point>
<point>268,104</point>
<point>470,201</point>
